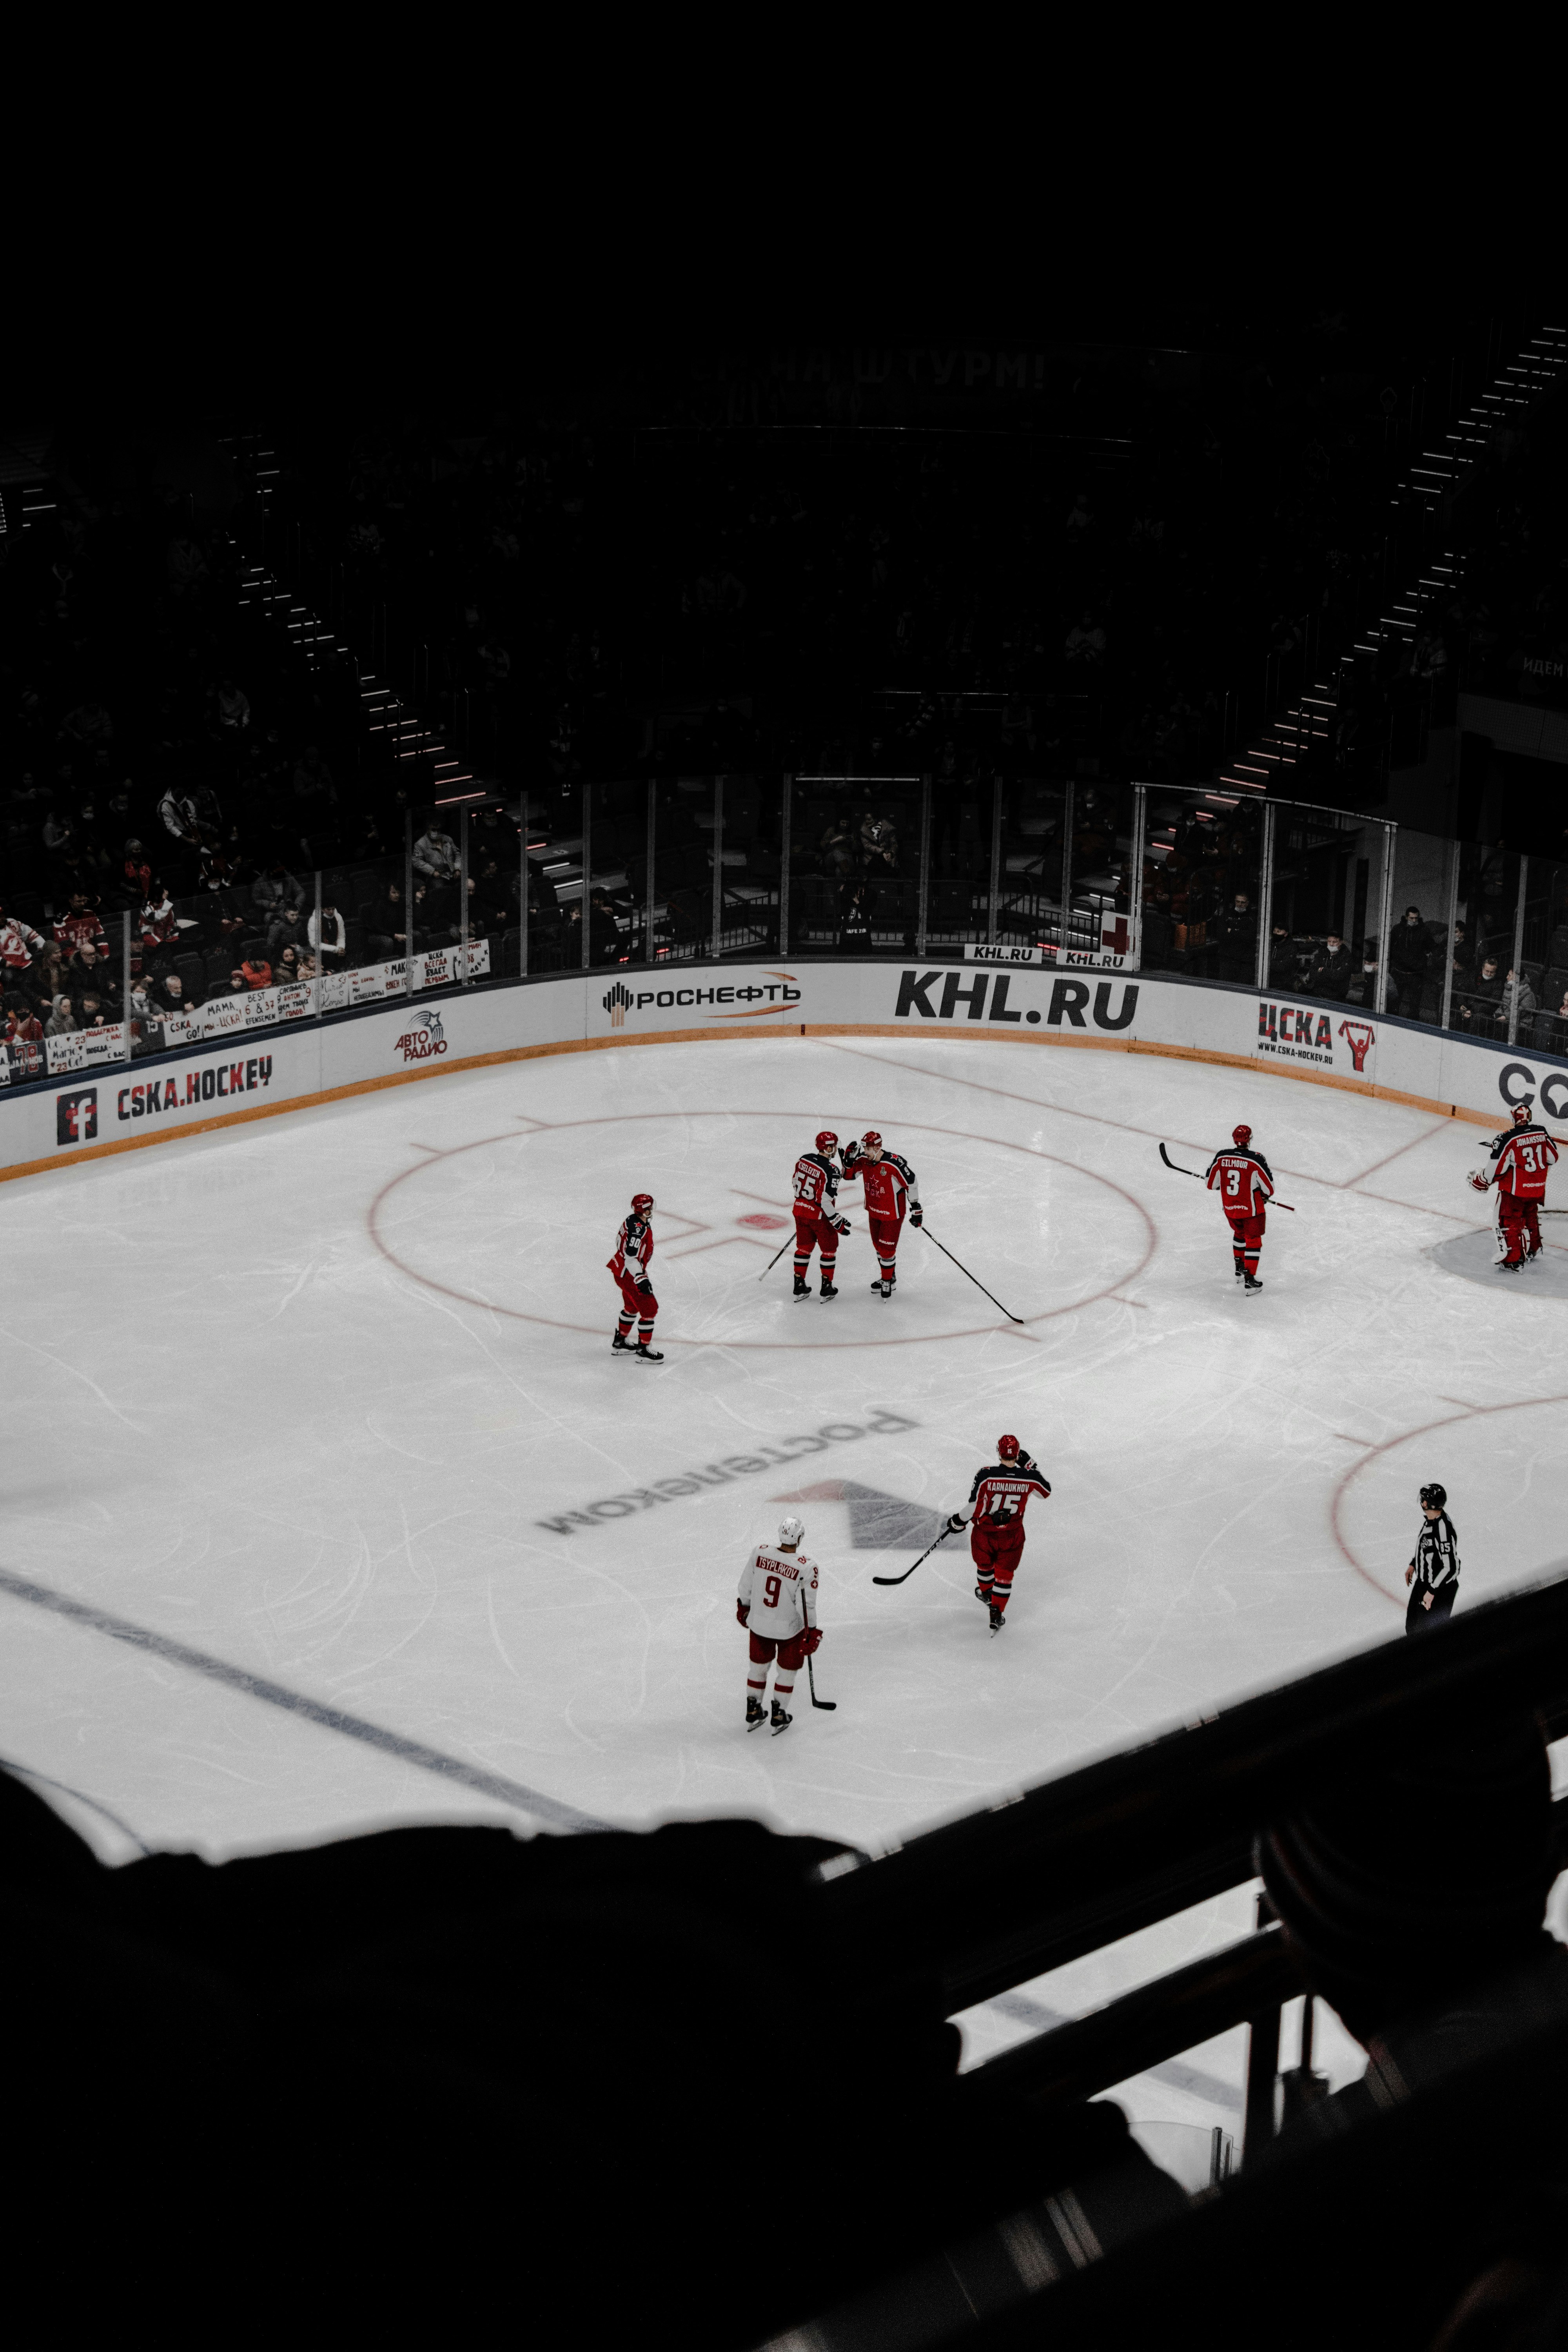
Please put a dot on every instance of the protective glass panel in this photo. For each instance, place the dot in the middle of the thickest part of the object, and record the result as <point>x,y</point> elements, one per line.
<point>1030,866</point>
<point>1543,1002</point>
<point>1483,939</point>
<point>1202,881</point>
<point>1418,942</point>
<point>750,810</point>
<point>617,897</point>
<point>1324,897</point>
<point>683,866</point>
<point>958,893</point>
<point>555,851</point>
<point>1101,892</point>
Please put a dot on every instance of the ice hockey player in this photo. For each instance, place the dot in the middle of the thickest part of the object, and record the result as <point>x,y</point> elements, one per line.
<point>633,1257</point>
<point>1244,1181</point>
<point>1435,1567</point>
<point>776,1603</point>
<point>817,1223</point>
<point>997,1501</point>
<point>1520,1157</point>
<point>887,1186</point>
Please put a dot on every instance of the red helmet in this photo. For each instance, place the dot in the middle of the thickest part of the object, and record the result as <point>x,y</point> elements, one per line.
<point>871,1139</point>
<point>1523,1110</point>
<point>1241,1135</point>
<point>1007,1449</point>
<point>641,1203</point>
<point>827,1140</point>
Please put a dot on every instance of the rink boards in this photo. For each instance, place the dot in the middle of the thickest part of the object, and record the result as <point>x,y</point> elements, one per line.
<point>119,1109</point>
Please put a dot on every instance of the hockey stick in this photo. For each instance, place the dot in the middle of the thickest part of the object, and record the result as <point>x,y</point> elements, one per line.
<point>973,1278</point>
<point>772,1261</point>
<point>909,1571</point>
<point>1193,1172</point>
<point>829,1705</point>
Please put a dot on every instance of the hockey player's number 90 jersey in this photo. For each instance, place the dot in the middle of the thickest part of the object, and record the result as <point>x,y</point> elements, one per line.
<point>781,1589</point>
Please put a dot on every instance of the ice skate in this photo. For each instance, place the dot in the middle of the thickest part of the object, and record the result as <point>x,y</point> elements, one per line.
<point>1250,1287</point>
<point>648,1355</point>
<point>996,1619</point>
<point>1511,1265</point>
<point>619,1346</point>
<point>755,1713</point>
<point>830,1290</point>
<point>780,1719</point>
<point>885,1287</point>
<point>983,1592</point>
<point>802,1287</point>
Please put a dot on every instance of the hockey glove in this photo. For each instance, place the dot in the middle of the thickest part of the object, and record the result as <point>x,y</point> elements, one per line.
<point>743,1612</point>
<point>643,1282</point>
<point>841,1225</point>
<point>1477,1180</point>
<point>811,1641</point>
<point>917,1216</point>
<point>954,1523</point>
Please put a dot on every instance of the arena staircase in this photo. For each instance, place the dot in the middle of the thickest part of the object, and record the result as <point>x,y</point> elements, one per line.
<point>1287,740</point>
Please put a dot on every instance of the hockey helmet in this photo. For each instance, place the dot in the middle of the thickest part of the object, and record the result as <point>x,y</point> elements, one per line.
<point>1434,1497</point>
<point>791,1531</point>
<point>641,1203</point>
<point>1522,1110</point>
<point>1242,1135</point>
<point>1007,1449</point>
<point>827,1140</point>
<point>870,1140</point>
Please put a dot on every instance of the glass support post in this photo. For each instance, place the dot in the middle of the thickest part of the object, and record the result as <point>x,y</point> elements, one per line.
<point>463,888</point>
<point>924,916</point>
<point>1265,895</point>
<point>1385,916</point>
<point>522,884</point>
<point>587,864</point>
<point>718,947</point>
<point>649,950</point>
<point>408,902</point>
<point>1135,882</point>
<point>1066,868</point>
<point>785,813</point>
<point>125,982</point>
<point>1446,1005</point>
<point>996,858</point>
<point>1517,953</point>
<point>321,964</point>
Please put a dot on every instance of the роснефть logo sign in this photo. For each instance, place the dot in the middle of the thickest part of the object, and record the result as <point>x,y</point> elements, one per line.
<point>780,993</point>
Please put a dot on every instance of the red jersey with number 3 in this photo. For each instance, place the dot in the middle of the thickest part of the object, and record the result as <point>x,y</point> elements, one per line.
<point>1522,1163</point>
<point>1242,1180</point>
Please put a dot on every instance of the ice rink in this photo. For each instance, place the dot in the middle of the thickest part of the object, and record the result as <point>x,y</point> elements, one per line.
<point>328,1507</point>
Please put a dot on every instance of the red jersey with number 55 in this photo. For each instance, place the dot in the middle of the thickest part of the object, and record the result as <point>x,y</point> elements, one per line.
<point>1521,1164</point>
<point>1242,1180</point>
<point>815,1183</point>
<point>780,1589</point>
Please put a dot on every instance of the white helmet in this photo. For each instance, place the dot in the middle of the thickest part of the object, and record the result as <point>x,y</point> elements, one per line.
<point>791,1531</point>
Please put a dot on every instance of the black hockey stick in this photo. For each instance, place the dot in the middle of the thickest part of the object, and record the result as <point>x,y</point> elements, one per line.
<point>909,1571</point>
<point>975,1278</point>
<point>1198,1180</point>
<point>772,1261</point>
<point>829,1705</point>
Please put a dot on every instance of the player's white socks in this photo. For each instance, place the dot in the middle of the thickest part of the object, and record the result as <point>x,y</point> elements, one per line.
<point>757,1690</point>
<point>783,1692</point>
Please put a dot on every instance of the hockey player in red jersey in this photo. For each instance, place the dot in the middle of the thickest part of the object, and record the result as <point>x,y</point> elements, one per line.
<point>1520,1158</point>
<point>633,1257</point>
<point>887,1187</point>
<point>817,1223</point>
<point>1244,1181</point>
<point>997,1501</point>
<point>776,1603</point>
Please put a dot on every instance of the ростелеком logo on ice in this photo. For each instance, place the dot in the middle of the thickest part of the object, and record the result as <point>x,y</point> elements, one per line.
<point>756,1000</point>
<point>424,1040</point>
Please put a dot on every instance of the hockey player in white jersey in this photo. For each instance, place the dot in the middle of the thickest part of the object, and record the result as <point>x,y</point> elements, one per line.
<point>776,1603</point>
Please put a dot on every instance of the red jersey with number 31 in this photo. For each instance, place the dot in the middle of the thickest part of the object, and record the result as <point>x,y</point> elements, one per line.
<point>1242,1180</point>
<point>1520,1165</point>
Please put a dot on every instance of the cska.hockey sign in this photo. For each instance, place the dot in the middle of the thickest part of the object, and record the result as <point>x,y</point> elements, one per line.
<point>1306,1032</point>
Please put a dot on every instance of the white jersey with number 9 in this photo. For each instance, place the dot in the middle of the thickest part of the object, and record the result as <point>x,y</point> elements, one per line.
<point>781,1588</point>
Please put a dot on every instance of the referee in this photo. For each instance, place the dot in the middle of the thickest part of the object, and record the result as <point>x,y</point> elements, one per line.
<point>1435,1565</point>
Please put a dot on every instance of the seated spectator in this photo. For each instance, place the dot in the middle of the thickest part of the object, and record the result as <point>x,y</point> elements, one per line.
<point>160,930</point>
<point>306,970</point>
<point>1238,931</point>
<point>387,928</point>
<point>136,875</point>
<point>1483,1000</point>
<point>1328,974</point>
<point>436,855</point>
<point>237,983</point>
<point>878,843</point>
<point>1551,1029</point>
<point>233,708</point>
<point>168,990</point>
<point>1409,953</point>
<point>286,968</point>
<point>88,725</point>
<point>23,1026</point>
<point>79,927</point>
<point>61,1022</point>
<point>93,1012</point>
<point>1282,958</point>
<point>1362,989</point>
<point>256,972</point>
<point>280,898</point>
<point>178,811</point>
<point>331,939</point>
<point>1518,1004</point>
<point>1085,644</point>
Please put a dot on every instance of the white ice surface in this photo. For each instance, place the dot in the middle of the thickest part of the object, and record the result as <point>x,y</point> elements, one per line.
<point>295,1398</point>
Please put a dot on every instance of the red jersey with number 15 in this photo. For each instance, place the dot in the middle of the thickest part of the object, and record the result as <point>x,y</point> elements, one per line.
<point>1520,1166</point>
<point>1000,1492</point>
<point>1242,1180</point>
